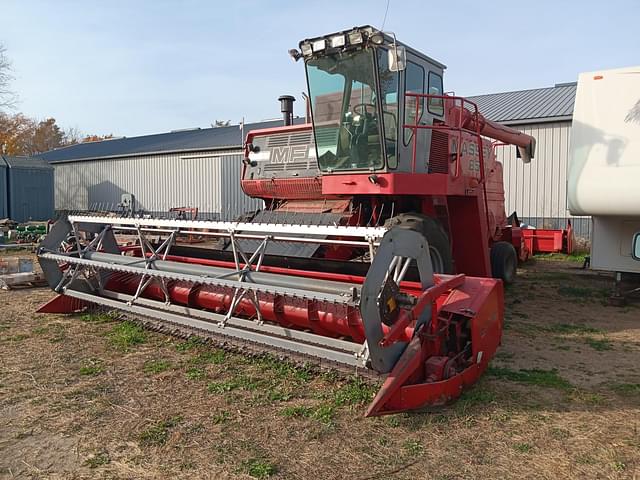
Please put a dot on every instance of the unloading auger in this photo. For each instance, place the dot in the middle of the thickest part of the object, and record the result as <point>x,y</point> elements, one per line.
<point>431,335</point>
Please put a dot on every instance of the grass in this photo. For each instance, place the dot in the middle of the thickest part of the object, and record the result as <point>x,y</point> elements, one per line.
<point>158,434</point>
<point>590,398</point>
<point>627,389</point>
<point>196,373</point>
<point>538,377</point>
<point>98,460</point>
<point>259,468</point>
<point>243,382</point>
<point>297,411</point>
<point>222,387</point>
<point>413,447</point>
<point>575,292</point>
<point>126,334</point>
<point>599,344</point>
<point>572,328</point>
<point>576,257</point>
<point>282,369</point>
<point>355,392</point>
<point>100,317</point>
<point>619,466</point>
<point>475,396</point>
<point>220,417</point>
<point>522,447</point>
<point>215,357</point>
<point>190,344</point>
<point>17,338</point>
<point>156,366</point>
<point>324,413</point>
<point>92,367</point>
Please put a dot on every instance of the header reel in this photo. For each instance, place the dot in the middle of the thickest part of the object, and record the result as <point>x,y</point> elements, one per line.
<point>430,337</point>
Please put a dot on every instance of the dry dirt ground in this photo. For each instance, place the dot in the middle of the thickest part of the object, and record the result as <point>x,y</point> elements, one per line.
<point>88,396</point>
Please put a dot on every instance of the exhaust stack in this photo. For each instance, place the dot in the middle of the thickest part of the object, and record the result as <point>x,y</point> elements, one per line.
<point>286,107</point>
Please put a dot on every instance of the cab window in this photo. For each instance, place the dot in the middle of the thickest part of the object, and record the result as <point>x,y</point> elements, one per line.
<point>435,105</point>
<point>413,83</point>
<point>389,98</point>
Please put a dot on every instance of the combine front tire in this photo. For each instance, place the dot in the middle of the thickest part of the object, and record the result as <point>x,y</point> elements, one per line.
<point>439,247</point>
<point>504,261</point>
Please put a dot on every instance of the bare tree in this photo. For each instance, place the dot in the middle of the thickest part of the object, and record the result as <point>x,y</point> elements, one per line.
<point>7,96</point>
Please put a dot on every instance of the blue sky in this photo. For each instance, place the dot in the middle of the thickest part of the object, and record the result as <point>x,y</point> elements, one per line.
<point>138,67</point>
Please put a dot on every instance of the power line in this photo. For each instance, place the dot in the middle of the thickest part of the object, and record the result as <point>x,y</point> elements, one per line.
<point>384,20</point>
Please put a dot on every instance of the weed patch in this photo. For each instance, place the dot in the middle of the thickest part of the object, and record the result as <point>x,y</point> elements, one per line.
<point>599,344</point>
<point>222,387</point>
<point>196,373</point>
<point>575,292</point>
<point>324,413</point>
<point>215,357</point>
<point>627,389</point>
<point>158,434</point>
<point>297,411</point>
<point>283,369</point>
<point>16,338</point>
<point>126,334</point>
<point>475,396</point>
<point>576,258</point>
<point>542,378</point>
<point>572,328</point>
<point>259,468</point>
<point>98,460</point>
<point>102,317</point>
<point>190,344</point>
<point>92,367</point>
<point>522,447</point>
<point>220,417</point>
<point>156,366</point>
<point>355,392</point>
<point>413,447</point>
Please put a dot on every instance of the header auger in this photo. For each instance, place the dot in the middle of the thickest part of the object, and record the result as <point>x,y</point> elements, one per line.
<point>375,215</point>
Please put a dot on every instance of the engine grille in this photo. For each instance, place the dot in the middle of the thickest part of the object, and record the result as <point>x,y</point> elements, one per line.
<point>439,153</point>
<point>288,139</point>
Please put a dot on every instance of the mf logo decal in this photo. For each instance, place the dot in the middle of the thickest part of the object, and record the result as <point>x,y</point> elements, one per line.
<point>289,154</point>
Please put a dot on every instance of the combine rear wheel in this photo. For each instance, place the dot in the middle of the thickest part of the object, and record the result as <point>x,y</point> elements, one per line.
<point>439,247</point>
<point>504,261</point>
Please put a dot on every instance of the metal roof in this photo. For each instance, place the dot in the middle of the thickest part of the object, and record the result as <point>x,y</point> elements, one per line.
<point>529,106</point>
<point>24,162</point>
<point>218,138</point>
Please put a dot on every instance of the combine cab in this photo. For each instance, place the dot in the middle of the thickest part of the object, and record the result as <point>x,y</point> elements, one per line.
<point>375,215</point>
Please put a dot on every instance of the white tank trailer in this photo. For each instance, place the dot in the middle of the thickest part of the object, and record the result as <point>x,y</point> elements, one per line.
<point>604,166</point>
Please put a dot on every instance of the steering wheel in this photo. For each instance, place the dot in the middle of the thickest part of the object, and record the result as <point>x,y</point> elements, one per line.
<point>362,108</point>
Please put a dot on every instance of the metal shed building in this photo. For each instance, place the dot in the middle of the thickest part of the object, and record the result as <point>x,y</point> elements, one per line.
<point>537,191</point>
<point>188,168</point>
<point>28,189</point>
<point>3,189</point>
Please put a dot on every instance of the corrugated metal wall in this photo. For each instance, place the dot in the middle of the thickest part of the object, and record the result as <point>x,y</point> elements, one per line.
<point>207,180</point>
<point>29,190</point>
<point>538,191</point>
<point>3,189</point>
<point>31,194</point>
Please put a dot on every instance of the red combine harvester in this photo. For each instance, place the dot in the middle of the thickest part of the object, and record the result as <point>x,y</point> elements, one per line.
<point>375,213</point>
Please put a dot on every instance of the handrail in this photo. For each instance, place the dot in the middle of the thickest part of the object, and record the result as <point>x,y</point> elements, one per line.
<point>459,128</point>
